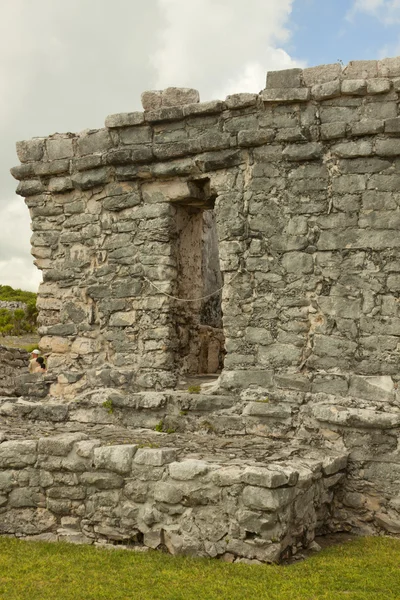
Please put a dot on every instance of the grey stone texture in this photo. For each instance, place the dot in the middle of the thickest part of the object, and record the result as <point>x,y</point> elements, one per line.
<point>303,184</point>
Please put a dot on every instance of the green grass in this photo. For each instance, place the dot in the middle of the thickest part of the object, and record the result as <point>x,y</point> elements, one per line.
<point>366,568</point>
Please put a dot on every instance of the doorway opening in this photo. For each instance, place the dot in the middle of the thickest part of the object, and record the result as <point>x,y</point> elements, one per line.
<point>201,342</point>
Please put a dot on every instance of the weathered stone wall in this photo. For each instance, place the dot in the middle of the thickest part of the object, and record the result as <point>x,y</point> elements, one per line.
<point>74,489</point>
<point>13,365</point>
<point>304,178</point>
<point>304,187</point>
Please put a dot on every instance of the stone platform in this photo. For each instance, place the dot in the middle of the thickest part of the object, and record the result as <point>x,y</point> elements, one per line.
<point>258,500</point>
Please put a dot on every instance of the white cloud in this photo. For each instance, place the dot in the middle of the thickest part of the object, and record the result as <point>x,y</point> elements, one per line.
<point>387,11</point>
<point>65,65</point>
<point>16,264</point>
<point>221,46</point>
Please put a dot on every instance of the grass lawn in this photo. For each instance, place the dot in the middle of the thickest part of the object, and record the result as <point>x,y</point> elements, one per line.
<point>366,568</point>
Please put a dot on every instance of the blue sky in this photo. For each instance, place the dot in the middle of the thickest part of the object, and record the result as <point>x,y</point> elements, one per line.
<point>64,66</point>
<point>322,31</point>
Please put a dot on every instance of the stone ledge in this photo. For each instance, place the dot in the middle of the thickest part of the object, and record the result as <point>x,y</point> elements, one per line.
<point>134,482</point>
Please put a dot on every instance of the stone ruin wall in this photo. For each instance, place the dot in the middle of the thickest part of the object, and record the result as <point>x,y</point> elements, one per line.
<point>304,187</point>
<point>70,488</point>
<point>13,367</point>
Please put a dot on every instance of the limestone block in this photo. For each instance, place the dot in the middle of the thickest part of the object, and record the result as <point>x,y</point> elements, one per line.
<point>179,96</point>
<point>204,108</point>
<point>7,481</point>
<point>268,410</point>
<point>91,178</point>
<point>27,521</point>
<point>284,95</point>
<point>388,524</point>
<point>59,185</point>
<point>299,152</point>
<point>237,101</point>
<point>255,138</point>
<point>354,87</point>
<point>353,149</point>
<point>264,499</point>
<point>378,86</point>
<point>151,100</point>
<point>270,478</point>
<point>165,114</point>
<point>67,492</point>
<point>227,476</point>
<point>287,78</point>
<point>379,389</point>
<point>102,481</point>
<point>166,492</point>
<point>389,67</point>
<point>156,457</point>
<point>387,147</point>
<point>17,454</point>
<point>243,379</point>
<point>258,335</point>
<point>59,445</point>
<point>361,69</point>
<point>340,307</point>
<point>30,150</point>
<point>30,187</point>
<point>26,497</point>
<point>324,91</point>
<point>279,355</point>
<point>58,345</point>
<point>136,135</point>
<point>85,346</point>
<point>353,417</point>
<point>85,448</point>
<point>322,74</point>
<point>162,191</point>
<point>378,110</point>
<point>392,125</point>
<point>92,142</point>
<point>124,120</point>
<point>153,539</point>
<point>212,161</point>
<point>23,171</point>
<point>188,469</point>
<point>59,147</point>
<point>330,131</point>
<point>298,262</point>
<point>123,319</point>
<point>115,458</point>
<point>333,464</point>
<point>367,127</point>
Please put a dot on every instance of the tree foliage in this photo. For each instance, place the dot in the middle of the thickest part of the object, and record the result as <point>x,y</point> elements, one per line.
<point>20,320</point>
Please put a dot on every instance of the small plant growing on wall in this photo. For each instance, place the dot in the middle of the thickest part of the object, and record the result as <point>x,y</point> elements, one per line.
<point>194,389</point>
<point>108,405</point>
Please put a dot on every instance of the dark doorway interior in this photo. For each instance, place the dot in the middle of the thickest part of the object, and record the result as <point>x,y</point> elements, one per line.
<point>201,344</point>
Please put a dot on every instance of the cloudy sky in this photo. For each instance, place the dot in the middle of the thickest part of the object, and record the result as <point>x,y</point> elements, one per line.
<point>65,65</point>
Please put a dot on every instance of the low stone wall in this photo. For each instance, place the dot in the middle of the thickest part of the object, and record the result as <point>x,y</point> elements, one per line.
<point>13,363</point>
<point>72,488</point>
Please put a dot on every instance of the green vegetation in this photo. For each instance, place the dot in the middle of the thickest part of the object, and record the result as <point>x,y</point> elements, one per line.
<point>108,405</point>
<point>19,321</point>
<point>366,569</point>
<point>194,389</point>
<point>263,400</point>
<point>160,427</point>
